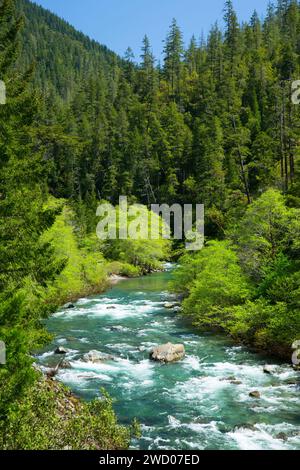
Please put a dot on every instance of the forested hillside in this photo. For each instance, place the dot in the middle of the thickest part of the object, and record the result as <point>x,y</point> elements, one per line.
<point>214,124</point>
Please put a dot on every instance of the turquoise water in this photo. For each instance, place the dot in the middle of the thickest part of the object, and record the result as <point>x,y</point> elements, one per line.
<point>188,405</point>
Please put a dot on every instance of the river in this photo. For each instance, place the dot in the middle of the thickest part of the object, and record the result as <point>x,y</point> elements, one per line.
<point>199,403</point>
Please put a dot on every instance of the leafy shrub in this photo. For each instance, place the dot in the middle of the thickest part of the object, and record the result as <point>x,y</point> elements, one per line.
<point>123,269</point>
<point>49,417</point>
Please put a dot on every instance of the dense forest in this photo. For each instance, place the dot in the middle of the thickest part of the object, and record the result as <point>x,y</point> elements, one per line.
<point>213,124</point>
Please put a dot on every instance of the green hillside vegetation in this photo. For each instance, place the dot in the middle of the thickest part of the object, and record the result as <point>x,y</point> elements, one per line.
<point>248,285</point>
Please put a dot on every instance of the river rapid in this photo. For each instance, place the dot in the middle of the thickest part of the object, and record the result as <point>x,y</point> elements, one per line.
<point>199,403</point>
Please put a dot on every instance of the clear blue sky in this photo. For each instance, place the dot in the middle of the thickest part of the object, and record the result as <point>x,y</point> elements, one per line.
<point>122,23</point>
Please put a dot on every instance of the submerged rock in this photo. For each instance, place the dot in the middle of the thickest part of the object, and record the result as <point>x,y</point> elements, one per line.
<point>96,357</point>
<point>282,436</point>
<point>170,305</point>
<point>249,426</point>
<point>60,350</point>
<point>65,365</point>
<point>69,305</point>
<point>168,353</point>
<point>269,369</point>
<point>254,394</point>
<point>117,328</point>
<point>294,381</point>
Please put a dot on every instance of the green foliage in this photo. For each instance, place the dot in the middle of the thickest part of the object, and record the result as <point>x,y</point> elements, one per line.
<point>214,121</point>
<point>123,269</point>
<point>85,267</point>
<point>48,417</point>
<point>26,263</point>
<point>218,283</point>
<point>251,289</point>
<point>144,254</point>
<point>269,327</point>
<point>215,124</point>
<point>268,228</point>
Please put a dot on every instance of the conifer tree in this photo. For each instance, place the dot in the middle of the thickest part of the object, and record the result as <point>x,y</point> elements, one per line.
<point>173,51</point>
<point>26,264</point>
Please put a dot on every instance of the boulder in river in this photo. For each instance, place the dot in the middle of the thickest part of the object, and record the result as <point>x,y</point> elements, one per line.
<point>68,306</point>
<point>168,353</point>
<point>117,328</point>
<point>170,305</point>
<point>282,436</point>
<point>65,365</point>
<point>254,394</point>
<point>96,357</point>
<point>60,350</point>
<point>269,369</point>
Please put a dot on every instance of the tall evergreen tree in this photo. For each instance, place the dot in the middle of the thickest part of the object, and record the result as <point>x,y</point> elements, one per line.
<point>25,263</point>
<point>173,52</point>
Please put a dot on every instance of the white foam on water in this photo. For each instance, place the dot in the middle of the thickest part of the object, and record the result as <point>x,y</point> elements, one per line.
<point>121,311</point>
<point>199,388</point>
<point>139,371</point>
<point>259,439</point>
<point>106,366</point>
<point>147,383</point>
<point>242,370</point>
<point>84,340</point>
<point>148,344</point>
<point>169,266</point>
<point>61,340</point>
<point>156,324</point>
<point>191,445</point>
<point>80,378</point>
<point>192,362</point>
<point>211,427</point>
<point>147,302</point>
<point>70,313</point>
<point>174,422</point>
<point>133,372</point>
<point>83,301</point>
<point>142,333</point>
<point>46,354</point>
<point>192,343</point>
<point>121,347</point>
<point>71,353</point>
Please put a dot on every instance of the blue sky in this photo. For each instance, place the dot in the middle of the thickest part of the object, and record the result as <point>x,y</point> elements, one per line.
<point>122,23</point>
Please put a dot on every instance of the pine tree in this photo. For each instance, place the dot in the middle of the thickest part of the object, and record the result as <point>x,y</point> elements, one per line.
<point>231,35</point>
<point>148,74</point>
<point>173,52</point>
<point>26,264</point>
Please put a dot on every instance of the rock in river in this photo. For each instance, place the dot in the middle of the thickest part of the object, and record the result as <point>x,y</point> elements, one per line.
<point>269,369</point>
<point>60,350</point>
<point>170,305</point>
<point>117,328</point>
<point>254,394</point>
<point>96,357</point>
<point>69,306</point>
<point>168,353</point>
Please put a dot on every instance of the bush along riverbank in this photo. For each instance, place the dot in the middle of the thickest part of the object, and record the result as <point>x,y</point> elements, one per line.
<point>248,284</point>
<point>88,264</point>
<point>49,416</point>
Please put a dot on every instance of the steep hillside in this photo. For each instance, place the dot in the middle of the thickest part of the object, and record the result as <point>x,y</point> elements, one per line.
<point>63,56</point>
